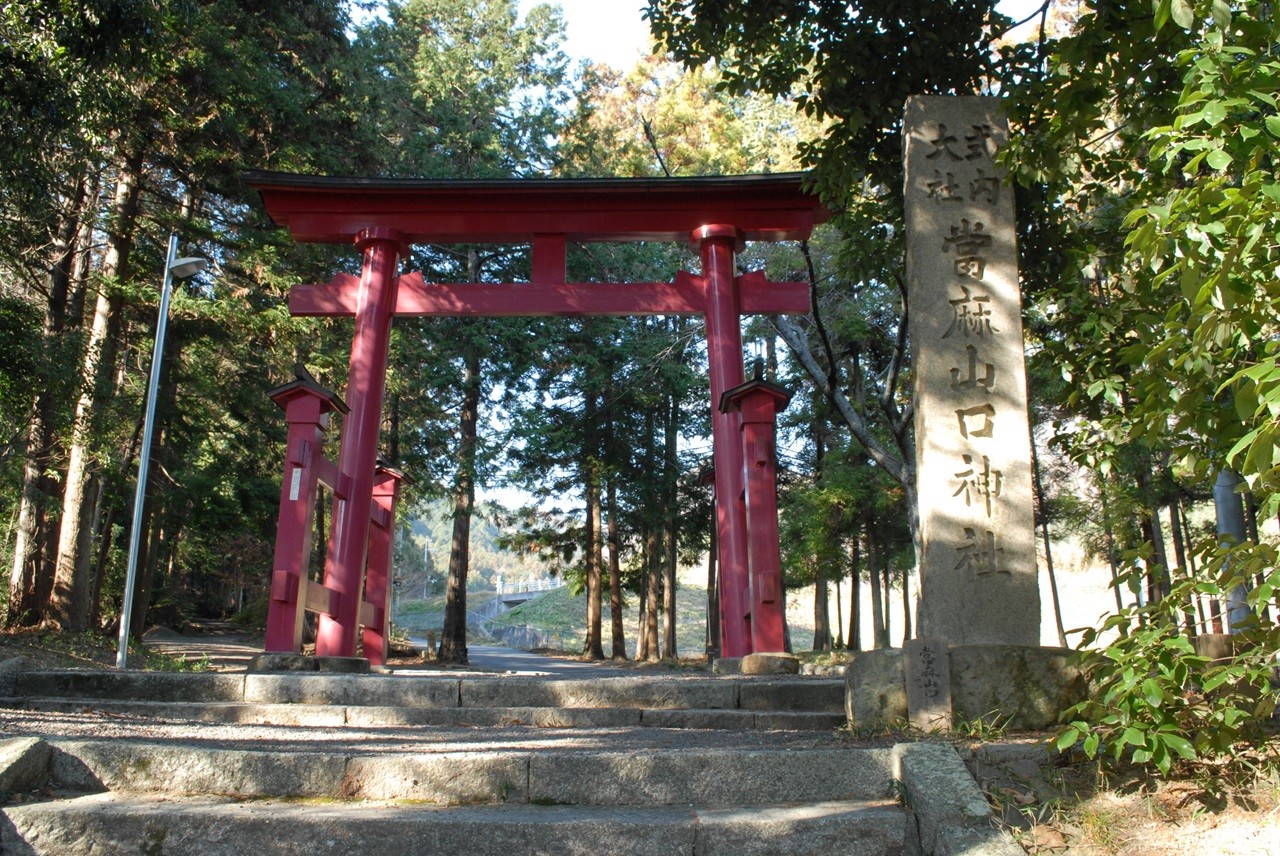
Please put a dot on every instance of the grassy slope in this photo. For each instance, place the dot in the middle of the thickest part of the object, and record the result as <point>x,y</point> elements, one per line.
<point>558,612</point>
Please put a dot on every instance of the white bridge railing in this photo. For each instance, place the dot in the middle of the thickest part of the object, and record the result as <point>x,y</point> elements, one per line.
<point>543,584</point>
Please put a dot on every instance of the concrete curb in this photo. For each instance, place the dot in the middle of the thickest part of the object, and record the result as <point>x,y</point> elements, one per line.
<point>952,814</point>
<point>24,765</point>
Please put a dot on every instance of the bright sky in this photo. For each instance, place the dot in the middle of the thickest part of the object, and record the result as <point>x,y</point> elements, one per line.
<point>614,33</point>
<point>606,31</point>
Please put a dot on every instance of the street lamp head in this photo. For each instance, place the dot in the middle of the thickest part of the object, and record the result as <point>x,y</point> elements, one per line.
<point>189,266</point>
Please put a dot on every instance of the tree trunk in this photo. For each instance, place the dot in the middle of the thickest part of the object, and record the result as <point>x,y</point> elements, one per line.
<point>888,590</point>
<point>713,592</point>
<point>653,575</point>
<point>1180,557</point>
<point>617,642</point>
<point>1111,543</point>
<point>453,636</point>
<point>69,601</point>
<point>821,609</point>
<point>671,466</point>
<point>1153,534</point>
<point>28,559</point>
<point>1043,508</point>
<point>642,634</point>
<point>594,648</point>
<point>839,617</point>
<point>879,633</point>
<point>906,605</point>
<point>855,592</point>
<point>26,537</point>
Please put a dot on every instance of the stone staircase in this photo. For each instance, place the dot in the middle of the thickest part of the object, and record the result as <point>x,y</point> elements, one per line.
<point>152,763</point>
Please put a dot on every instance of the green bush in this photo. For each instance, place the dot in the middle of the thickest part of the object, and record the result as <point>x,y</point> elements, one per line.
<point>1156,702</point>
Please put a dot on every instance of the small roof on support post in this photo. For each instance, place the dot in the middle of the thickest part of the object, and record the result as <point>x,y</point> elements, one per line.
<point>304,383</point>
<point>326,209</point>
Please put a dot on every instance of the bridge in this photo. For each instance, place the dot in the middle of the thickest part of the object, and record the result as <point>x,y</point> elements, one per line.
<point>514,594</point>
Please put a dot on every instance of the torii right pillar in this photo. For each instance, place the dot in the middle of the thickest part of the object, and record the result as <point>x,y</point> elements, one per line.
<point>758,403</point>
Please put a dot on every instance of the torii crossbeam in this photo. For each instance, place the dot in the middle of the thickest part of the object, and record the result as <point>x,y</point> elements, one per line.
<point>383,217</point>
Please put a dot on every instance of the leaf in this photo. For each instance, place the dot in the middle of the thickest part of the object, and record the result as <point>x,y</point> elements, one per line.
<point>1221,13</point>
<point>1218,159</point>
<point>1214,112</point>
<point>1182,13</point>
<point>1067,739</point>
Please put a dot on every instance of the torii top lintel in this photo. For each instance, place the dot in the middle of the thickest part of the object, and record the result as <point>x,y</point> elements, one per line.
<point>323,209</point>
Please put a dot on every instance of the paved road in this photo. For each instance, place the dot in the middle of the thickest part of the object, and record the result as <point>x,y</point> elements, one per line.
<point>497,659</point>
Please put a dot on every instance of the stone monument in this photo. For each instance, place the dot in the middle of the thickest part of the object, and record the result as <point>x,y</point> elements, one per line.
<point>978,579</point>
<point>978,654</point>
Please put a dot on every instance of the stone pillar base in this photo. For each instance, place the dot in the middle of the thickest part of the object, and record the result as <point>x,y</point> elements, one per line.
<point>770,664</point>
<point>1017,686</point>
<point>305,663</point>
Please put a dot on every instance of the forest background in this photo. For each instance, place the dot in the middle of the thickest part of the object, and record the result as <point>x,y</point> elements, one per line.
<point>1144,139</point>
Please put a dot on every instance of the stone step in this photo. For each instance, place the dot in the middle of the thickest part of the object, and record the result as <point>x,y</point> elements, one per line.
<point>365,716</point>
<point>813,695</point>
<point>549,774</point>
<point>112,823</point>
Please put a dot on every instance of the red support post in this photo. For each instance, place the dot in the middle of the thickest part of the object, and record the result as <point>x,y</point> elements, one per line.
<point>758,403</point>
<point>344,570</point>
<point>724,358</point>
<point>377,585</point>
<point>307,407</point>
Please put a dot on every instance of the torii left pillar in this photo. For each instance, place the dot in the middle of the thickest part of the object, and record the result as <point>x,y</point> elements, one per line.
<point>358,454</point>
<point>717,245</point>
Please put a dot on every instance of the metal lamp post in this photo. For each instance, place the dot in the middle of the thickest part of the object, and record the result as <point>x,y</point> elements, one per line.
<point>174,268</point>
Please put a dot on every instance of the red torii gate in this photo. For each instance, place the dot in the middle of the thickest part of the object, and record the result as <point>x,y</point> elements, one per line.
<point>383,217</point>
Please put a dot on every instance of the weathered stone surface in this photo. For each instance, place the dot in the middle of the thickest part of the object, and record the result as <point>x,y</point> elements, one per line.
<point>157,768</point>
<point>973,459</point>
<point>283,663</point>
<point>315,715</point>
<point>24,764</point>
<point>453,778</point>
<point>343,665</point>
<point>770,664</point>
<point>823,671</point>
<point>812,694</point>
<point>875,692</point>
<point>798,721</point>
<point>9,670</point>
<point>709,777</point>
<point>927,678</point>
<point>825,827</point>
<point>727,666</point>
<point>537,717</point>
<point>91,826</point>
<point>988,841</point>
<point>644,692</point>
<point>155,686</point>
<point>1026,687</point>
<point>940,791</point>
<point>372,690</point>
<point>698,718</point>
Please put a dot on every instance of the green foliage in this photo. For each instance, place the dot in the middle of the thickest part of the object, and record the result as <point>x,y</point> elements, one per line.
<point>1156,702</point>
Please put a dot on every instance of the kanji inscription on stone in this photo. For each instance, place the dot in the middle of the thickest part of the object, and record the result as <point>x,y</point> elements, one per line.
<point>928,677</point>
<point>973,456</point>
